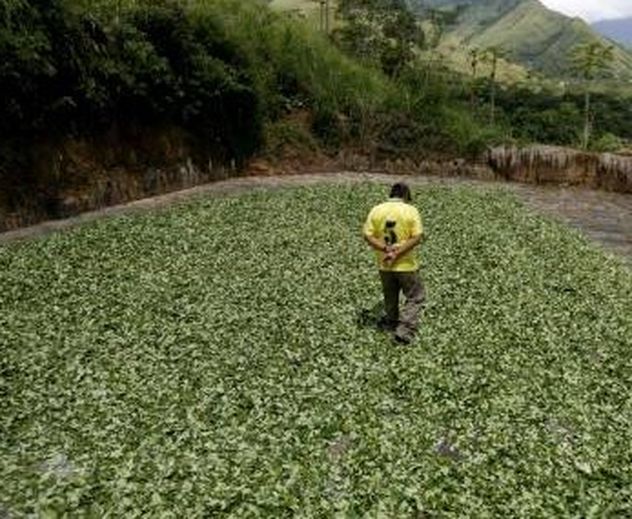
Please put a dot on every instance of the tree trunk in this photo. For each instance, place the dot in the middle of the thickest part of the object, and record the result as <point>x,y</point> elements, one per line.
<point>473,88</point>
<point>493,96</point>
<point>322,15</point>
<point>586,137</point>
<point>493,107</point>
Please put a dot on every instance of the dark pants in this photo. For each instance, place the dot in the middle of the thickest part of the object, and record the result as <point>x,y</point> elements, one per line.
<point>409,283</point>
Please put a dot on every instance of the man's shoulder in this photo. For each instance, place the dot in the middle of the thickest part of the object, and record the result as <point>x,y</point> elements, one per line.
<point>379,208</point>
<point>405,208</point>
<point>394,205</point>
<point>411,209</point>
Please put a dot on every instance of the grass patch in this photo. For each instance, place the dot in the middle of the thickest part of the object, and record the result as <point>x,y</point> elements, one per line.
<point>207,360</point>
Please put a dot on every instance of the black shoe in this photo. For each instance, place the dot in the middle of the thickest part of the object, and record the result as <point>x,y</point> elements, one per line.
<point>401,340</point>
<point>386,326</point>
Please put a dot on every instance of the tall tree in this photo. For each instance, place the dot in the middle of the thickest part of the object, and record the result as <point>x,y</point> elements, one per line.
<point>440,20</point>
<point>474,55</point>
<point>588,60</point>
<point>384,32</point>
<point>324,9</point>
<point>492,55</point>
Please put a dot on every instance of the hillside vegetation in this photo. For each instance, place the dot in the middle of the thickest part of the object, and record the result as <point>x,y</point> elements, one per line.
<point>526,30</point>
<point>229,73</point>
<point>532,36</point>
<point>308,10</point>
<point>236,79</point>
<point>224,69</point>
<point>529,106</point>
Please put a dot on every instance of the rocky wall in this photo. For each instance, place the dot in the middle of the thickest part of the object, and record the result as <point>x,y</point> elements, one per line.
<point>557,165</point>
<point>74,176</point>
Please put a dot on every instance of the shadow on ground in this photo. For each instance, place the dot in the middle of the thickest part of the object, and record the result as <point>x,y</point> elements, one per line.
<point>370,317</point>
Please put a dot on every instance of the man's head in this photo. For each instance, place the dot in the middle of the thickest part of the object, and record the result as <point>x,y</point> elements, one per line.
<point>401,190</point>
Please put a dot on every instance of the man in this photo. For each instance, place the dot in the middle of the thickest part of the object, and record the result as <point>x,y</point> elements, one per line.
<point>394,229</point>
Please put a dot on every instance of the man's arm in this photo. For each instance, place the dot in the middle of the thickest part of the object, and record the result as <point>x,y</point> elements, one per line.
<point>375,243</point>
<point>416,231</point>
<point>369,234</point>
<point>395,252</point>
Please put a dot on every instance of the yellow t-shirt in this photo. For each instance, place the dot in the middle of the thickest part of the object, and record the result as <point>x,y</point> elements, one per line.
<point>395,222</point>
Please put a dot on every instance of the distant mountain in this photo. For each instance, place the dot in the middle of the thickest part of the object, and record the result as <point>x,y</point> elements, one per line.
<point>619,30</point>
<point>527,31</point>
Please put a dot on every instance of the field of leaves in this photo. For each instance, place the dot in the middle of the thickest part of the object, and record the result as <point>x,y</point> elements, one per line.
<point>211,359</point>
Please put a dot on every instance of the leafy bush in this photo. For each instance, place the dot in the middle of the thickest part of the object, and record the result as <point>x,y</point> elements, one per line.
<point>607,142</point>
<point>471,138</point>
<point>385,34</point>
<point>612,113</point>
<point>222,69</point>
<point>548,117</point>
<point>288,135</point>
<point>70,71</point>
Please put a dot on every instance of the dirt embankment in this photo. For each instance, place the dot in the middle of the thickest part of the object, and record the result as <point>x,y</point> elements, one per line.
<point>75,176</point>
<point>540,165</point>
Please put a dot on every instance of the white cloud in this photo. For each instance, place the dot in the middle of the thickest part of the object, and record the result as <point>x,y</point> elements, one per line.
<point>592,10</point>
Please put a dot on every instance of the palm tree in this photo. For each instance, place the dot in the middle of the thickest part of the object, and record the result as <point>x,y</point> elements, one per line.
<point>324,15</point>
<point>493,54</point>
<point>474,55</point>
<point>588,60</point>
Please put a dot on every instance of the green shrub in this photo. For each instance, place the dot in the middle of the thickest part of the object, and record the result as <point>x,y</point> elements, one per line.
<point>545,116</point>
<point>470,137</point>
<point>283,135</point>
<point>607,142</point>
<point>222,69</point>
<point>71,71</point>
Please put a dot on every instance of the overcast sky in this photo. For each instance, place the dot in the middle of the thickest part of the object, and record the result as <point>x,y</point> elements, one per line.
<point>592,10</point>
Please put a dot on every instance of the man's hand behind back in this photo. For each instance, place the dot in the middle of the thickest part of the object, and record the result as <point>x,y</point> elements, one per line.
<point>392,253</point>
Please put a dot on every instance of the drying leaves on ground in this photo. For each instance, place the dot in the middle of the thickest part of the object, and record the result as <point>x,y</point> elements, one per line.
<point>215,359</point>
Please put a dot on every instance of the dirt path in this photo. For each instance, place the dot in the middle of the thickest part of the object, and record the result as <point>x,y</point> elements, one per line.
<point>604,217</point>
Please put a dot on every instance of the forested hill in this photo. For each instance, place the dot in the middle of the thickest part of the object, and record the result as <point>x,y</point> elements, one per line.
<point>105,101</point>
<point>526,30</point>
<point>619,30</point>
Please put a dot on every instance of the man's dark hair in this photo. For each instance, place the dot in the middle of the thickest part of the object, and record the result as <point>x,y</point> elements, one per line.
<point>401,190</point>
